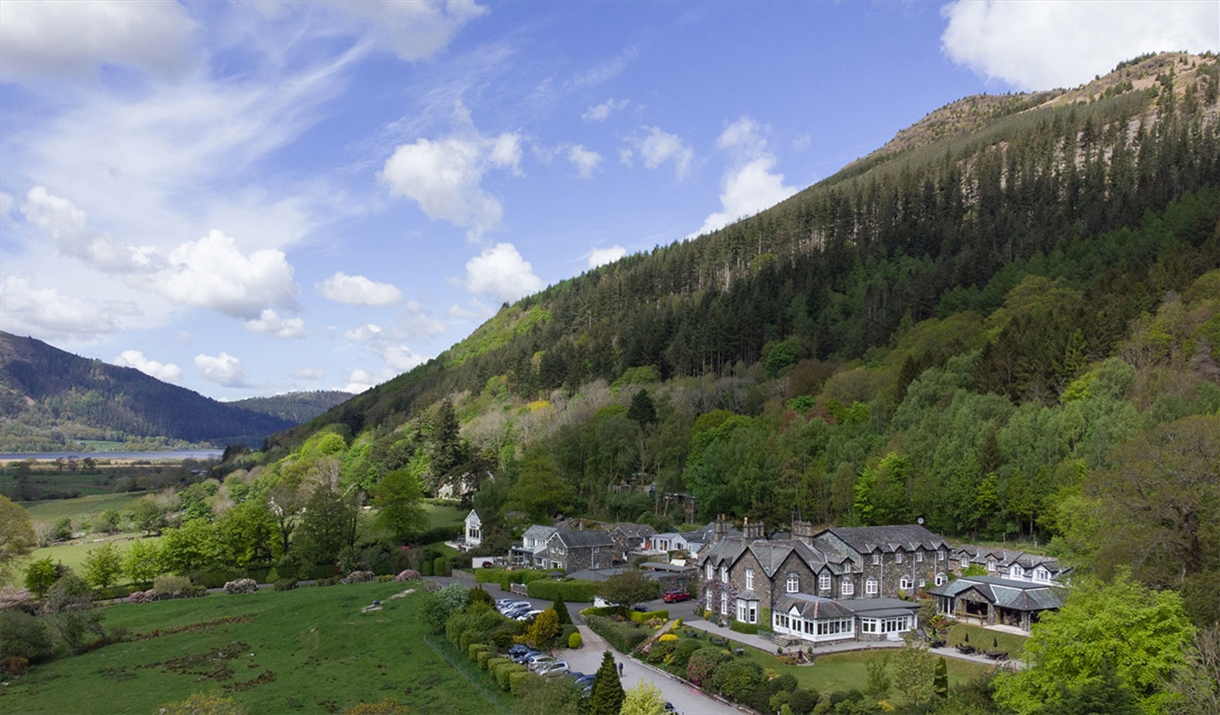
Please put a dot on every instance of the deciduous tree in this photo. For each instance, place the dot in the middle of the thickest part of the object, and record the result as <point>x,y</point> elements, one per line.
<point>104,565</point>
<point>400,497</point>
<point>644,699</point>
<point>17,537</point>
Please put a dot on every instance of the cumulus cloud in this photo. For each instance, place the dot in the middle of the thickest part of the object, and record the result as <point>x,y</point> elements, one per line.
<point>418,322</point>
<point>602,112</point>
<point>167,372</point>
<point>360,380</point>
<point>54,40</point>
<point>602,256</point>
<point>358,290</point>
<point>585,160</point>
<point>413,30</point>
<point>270,323</point>
<point>70,228</point>
<point>1042,44</point>
<point>444,177</point>
<point>213,273</point>
<point>309,373</point>
<point>49,314</point>
<point>388,344</point>
<point>750,184</point>
<point>402,357</point>
<point>657,147</point>
<point>502,273</point>
<point>223,369</point>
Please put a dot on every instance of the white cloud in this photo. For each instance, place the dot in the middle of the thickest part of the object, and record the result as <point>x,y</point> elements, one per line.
<point>167,372</point>
<point>502,273</point>
<point>213,273</point>
<point>1042,44</point>
<point>802,142</point>
<point>364,334</point>
<point>387,344</point>
<point>403,358</point>
<point>585,160</point>
<point>602,112</point>
<point>309,373</point>
<point>49,314</point>
<point>358,290</point>
<point>750,184</point>
<point>418,322</point>
<point>477,311</point>
<point>606,70</point>
<point>360,380</point>
<point>602,256</point>
<point>658,147</point>
<point>52,40</point>
<point>413,30</point>
<point>444,177</point>
<point>69,226</point>
<point>270,323</point>
<point>223,369</point>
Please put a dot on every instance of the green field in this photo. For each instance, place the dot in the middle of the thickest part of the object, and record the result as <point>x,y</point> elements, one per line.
<point>310,650</point>
<point>445,515</point>
<point>52,510</point>
<point>984,639</point>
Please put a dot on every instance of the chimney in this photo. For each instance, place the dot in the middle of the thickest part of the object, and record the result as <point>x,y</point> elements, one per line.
<point>752,532</point>
<point>802,530</point>
<point>720,529</point>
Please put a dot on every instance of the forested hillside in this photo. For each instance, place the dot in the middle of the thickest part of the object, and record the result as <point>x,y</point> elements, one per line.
<point>296,407</point>
<point>50,398</point>
<point>1007,323</point>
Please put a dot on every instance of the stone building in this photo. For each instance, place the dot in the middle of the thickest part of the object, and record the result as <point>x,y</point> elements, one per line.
<point>630,537</point>
<point>573,550</point>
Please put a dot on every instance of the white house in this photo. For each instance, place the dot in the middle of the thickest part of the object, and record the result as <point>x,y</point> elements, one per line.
<point>474,529</point>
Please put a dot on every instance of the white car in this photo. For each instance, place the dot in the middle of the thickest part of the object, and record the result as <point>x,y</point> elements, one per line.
<point>513,605</point>
<point>529,615</point>
<point>534,661</point>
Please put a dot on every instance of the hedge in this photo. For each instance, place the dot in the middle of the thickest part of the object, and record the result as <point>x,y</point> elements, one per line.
<point>493,661</point>
<point>622,636</point>
<point>504,672</point>
<point>483,658</point>
<point>574,640</point>
<point>518,681</point>
<point>576,591</point>
<point>645,617</point>
<point>475,648</point>
<point>506,578</point>
<point>604,611</point>
<point>565,634</point>
<point>748,628</point>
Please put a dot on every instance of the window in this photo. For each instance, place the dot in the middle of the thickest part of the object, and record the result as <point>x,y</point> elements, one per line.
<point>709,600</point>
<point>876,558</point>
<point>741,611</point>
<point>724,604</point>
<point>824,582</point>
<point>904,583</point>
<point>965,562</point>
<point>753,614</point>
<point>1042,574</point>
<point>834,626</point>
<point>921,582</point>
<point>870,587</point>
<point>940,556</point>
<point>846,587</point>
<point>869,625</point>
<point>710,572</point>
<point>897,557</point>
<point>781,620</point>
<point>918,557</point>
<point>991,565</point>
<point>940,579</point>
<point>1016,571</point>
<point>897,624</point>
<point>724,574</point>
<point>749,579</point>
<point>794,582</point>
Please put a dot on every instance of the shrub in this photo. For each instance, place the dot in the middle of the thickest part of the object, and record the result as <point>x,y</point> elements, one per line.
<point>574,640</point>
<point>241,586</point>
<point>621,636</point>
<point>680,658</point>
<point>639,617</point>
<point>360,577</point>
<point>504,672</point>
<point>493,661</point>
<point>172,587</point>
<point>739,627</point>
<point>660,650</point>
<point>425,568</point>
<point>143,596</point>
<point>17,598</point>
<point>483,657</point>
<point>327,581</point>
<point>204,704</point>
<point>738,678</point>
<point>385,578</point>
<point>14,665</point>
<point>478,595</point>
<point>619,611</point>
<point>407,575</point>
<point>441,567</point>
<point>704,663</point>
<point>802,702</point>
<point>475,648</point>
<point>576,590</point>
<point>667,638</point>
<point>517,682</point>
<point>23,636</point>
<point>286,584</point>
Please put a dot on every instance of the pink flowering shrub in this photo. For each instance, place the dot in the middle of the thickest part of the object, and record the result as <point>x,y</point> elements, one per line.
<point>240,586</point>
<point>11,597</point>
<point>143,596</point>
<point>407,575</point>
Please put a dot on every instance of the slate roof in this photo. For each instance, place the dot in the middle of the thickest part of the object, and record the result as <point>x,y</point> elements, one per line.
<point>538,531</point>
<point>1005,558</point>
<point>880,607</point>
<point>772,554</point>
<point>888,539</point>
<point>583,539</point>
<point>634,530</point>
<point>811,607</point>
<point>1006,593</point>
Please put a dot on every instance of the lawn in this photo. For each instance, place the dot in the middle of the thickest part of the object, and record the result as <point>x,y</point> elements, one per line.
<point>53,510</point>
<point>444,514</point>
<point>307,650</point>
<point>984,639</point>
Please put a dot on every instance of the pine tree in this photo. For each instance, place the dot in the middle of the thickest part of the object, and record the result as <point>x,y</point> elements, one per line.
<point>561,610</point>
<point>607,696</point>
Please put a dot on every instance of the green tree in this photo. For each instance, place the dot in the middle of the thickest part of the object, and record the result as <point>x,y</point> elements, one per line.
<point>1141,634</point>
<point>1104,694</point>
<point>541,633</point>
<point>915,671</point>
<point>104,565</point>
<point>539,491</point>
<point>941,681</point>
<point>628,588</point>
<point>607,695</point>
<point>643,699</point>
<point>194,546</point>
<point>877,686</point>
<point>329,524</point>
<point>642,409</point>
<point>146,515</point>
<point>561,610</point>
<point>41,575</point>
<point>1196,682</point>
<point>17,538</point>
<point>142,562</point>
<point>68,608</point>
<point>249,534</point>
<point>400,497</point>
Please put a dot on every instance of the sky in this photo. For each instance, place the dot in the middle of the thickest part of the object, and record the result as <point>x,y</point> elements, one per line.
<point>252,198</point>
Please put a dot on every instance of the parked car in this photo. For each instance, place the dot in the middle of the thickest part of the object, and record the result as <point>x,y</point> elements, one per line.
<point>501,603</point>
<point>518,649</point>
<point>532,660</point>
<point>528,615</point>
<point>669,708</point>
<point>675,596</point>
<point>514,605</point>
<point>516,611</point>
<point>525,656</point>
<point>574,674</point>
<point>585,681</point>
<point>558,667</point>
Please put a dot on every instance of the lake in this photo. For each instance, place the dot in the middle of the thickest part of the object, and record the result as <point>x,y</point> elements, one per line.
<point>168,456</point>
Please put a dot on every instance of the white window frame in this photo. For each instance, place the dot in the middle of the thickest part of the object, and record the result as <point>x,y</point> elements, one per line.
<point>711,571</point>
<point>793,582</point>
<point>991,565</point>
<point>897,557</point>
<point>965,562</point>
<point>1016,571</point>
<point>846,587</point>
<point>823,582</point>
<point>940,555</point>
<point>724,604</point>
<point>940,579</point>
<point>749,579</point>
<point>918,557</point>
<point>870,587</point>
<point>876,558</point>
<point>904,583</point>
<point>921,582</point>
<point>724,574</point>
<point>709,599</point>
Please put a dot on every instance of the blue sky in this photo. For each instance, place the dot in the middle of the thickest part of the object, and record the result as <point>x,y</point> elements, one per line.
<point>252,198</point>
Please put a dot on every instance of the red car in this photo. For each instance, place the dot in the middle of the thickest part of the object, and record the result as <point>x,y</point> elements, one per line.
<point>675,596</point>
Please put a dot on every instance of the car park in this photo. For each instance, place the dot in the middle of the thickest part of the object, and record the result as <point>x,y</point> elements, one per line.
<point>517,611</point>
<point>676,596</point>
<point>574,674</point>
<point>522,658</point>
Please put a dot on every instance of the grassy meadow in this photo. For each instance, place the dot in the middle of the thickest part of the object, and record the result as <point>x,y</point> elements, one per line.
<point>309,650</point>
<point>52,510</point>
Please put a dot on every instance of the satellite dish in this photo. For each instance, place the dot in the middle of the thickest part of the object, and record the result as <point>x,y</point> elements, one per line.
<point>919,521</point>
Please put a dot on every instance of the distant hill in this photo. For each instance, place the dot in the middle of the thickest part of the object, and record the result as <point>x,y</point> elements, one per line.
<point>296,407</point>
<point>50,398</point>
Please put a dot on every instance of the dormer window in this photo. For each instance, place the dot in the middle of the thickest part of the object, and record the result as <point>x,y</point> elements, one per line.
<point>794,582</point>
<point>824,582</point>
<point>1016,571</point>
<point>750,579</point>
<point>876,558</point>
<point>724,574</point>
<point>710,572</point>
<point>991,565</point>
<point>897,557</point>
<point>965,562</point>
<point>940,556</point>
<point>918,556</point>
